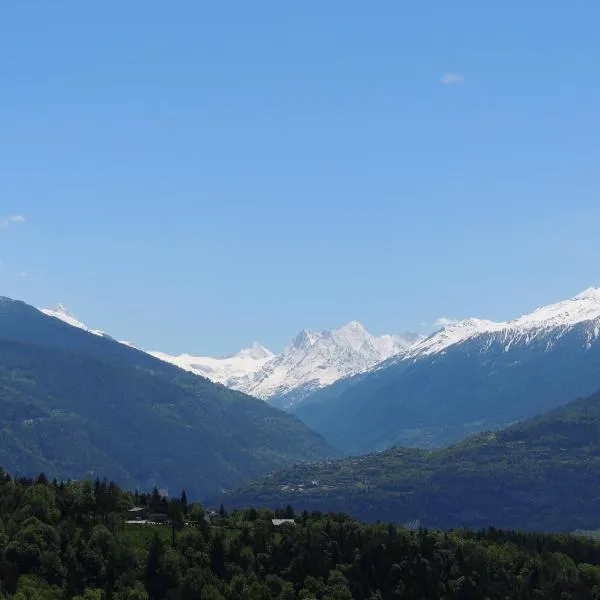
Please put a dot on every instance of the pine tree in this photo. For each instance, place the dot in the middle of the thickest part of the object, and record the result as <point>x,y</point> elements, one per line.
<point>217,555</point>
<point>184,503</point>
<point>154,581</point>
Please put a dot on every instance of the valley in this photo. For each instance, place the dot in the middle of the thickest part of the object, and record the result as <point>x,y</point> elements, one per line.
<point>326,328</point>
<point>541,474</point>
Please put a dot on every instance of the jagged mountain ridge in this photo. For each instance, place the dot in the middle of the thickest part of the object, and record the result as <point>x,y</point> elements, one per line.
<point>60,311</point>
<point>323,367</point>
<point>315,359</point>
<point>554,319</point>
<point>467,377</point>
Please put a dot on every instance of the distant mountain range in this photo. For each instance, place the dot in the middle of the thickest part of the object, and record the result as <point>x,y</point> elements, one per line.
<point>364,393</point>
<point>226,370</point>
<point>468,377</point>
<point>75,403</point>
<point>314,359</point>
<point>541,474</point>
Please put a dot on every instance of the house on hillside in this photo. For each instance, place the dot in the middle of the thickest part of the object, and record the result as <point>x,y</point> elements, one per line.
<point>211,517</point>
<point>280,522</point>
<point>138,513</point>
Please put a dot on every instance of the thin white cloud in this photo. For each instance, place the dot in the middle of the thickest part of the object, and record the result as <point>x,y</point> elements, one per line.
<point>11,220</point>
<point>443,321</point>
<point>452,78</point>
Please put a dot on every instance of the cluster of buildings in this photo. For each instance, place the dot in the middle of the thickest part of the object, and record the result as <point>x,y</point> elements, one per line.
<point>141,515</point>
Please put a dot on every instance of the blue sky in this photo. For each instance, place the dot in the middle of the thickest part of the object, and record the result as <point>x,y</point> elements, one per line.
<point>197,175</point>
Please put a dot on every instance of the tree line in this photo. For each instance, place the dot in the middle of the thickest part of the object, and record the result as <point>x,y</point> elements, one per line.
<point>63,540</point>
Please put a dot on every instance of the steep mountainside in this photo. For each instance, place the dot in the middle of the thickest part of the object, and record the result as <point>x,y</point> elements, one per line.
<point>540,474</point>
<point>75,404</point>
<point>312,361</point>
<point>468,377</point>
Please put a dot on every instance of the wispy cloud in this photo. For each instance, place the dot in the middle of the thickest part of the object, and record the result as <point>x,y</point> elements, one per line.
<point>11,220</point>
<point>452,78</point>
<point>443,321</point>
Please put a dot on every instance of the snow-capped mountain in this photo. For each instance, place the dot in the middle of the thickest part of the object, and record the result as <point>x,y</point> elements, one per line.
<point>312,361</point>
<point>467,377</point>
<point>225,370</point>
<point>61,312</point>
<point>365,393</point>
<point>548,322</point>
<point>317,359</point>
<point>220,370</point>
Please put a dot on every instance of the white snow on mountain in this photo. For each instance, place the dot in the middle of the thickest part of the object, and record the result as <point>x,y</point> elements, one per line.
<point>548,321</point>
<point>225,370</point>
<point>583,307</point>
<point>452,334</point>
<point>61,312</point>
<point>317,359</point>
<point>313,360</point>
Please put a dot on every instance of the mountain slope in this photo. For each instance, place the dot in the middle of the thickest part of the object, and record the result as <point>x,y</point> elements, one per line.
<point>468,377</point>
<point>78,404</point>
<point>312,361</point>
<point>539,474</point>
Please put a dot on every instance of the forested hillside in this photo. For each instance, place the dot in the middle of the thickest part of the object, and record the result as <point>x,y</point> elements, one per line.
<point>70,540</point>
<point>77,405</point>
<point>540,474</point>
<point>485,382</point>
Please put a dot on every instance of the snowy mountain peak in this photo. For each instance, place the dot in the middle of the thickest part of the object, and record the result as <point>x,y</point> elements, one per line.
<point>583,307</point>
<point>305,339</point>
<point>221,370</point>
<point>353,335</point>
<point>592,293</point>
<point>61,312</point>
<point>314,360</point>
<point>453,334</point>
<point>255,351</point>
<point>354,327</point>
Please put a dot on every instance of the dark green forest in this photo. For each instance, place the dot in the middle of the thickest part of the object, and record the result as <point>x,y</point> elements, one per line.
<point>70,540</point>
<point>541,474</point>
